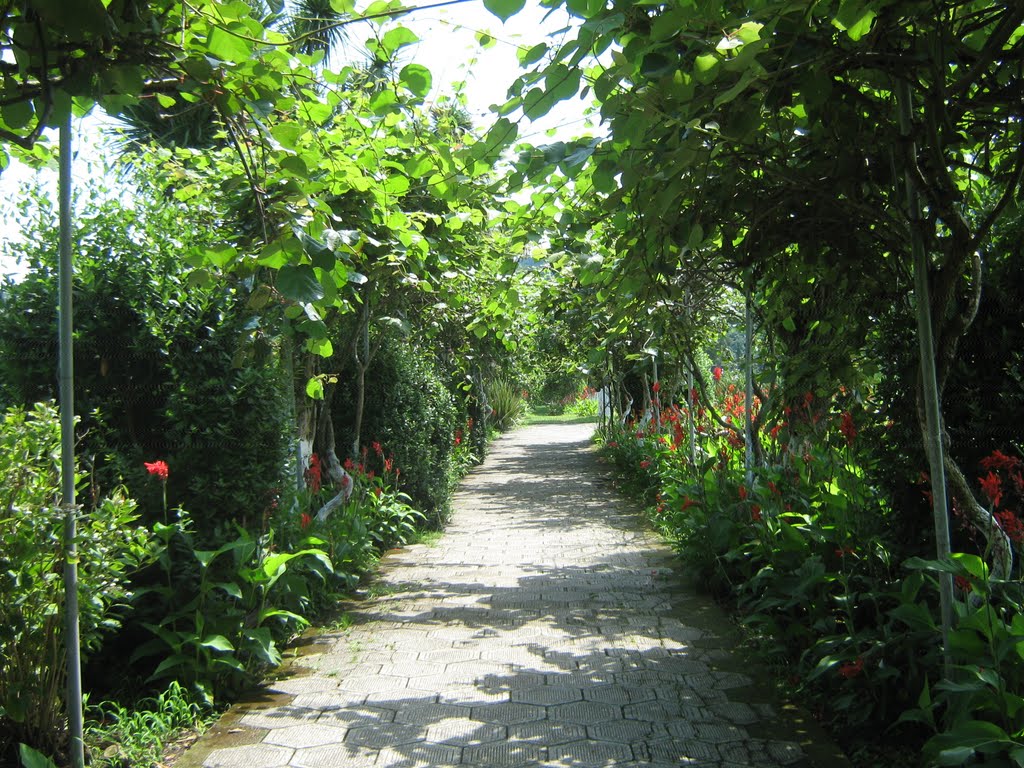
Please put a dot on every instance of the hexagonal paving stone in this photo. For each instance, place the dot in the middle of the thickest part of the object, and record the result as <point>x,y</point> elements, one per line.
<point>546,733</point>
<point>618,695</point>
<point>463,732</point>
<point>449,655</point>
<point>584,712</point>
<point>590,753</point>
<point>719,733</point>
<point>681,751</point>
<point>430,713</point>
<point>250,756</point>
<point>298,736</point>
<point>356,716</point>
<point>502,753</point>
<point>627,731</point>
<point>662,712</point>
<point>786,752</point>
<point>334,757</point>
<point>279,717</point>
<point>508,713</point>
<point>412,669</point>
<point>420,755</point>
<point>306,684</point>
<point>379,735</point>
<point>374,683</point>
<point>327,701</point>
<point>512,681</point>
<point>547,695</point>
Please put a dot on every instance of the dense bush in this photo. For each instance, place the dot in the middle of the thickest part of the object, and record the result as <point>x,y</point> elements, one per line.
<point>110,545</point>
<point>411,413</point>
<point>154,354</point>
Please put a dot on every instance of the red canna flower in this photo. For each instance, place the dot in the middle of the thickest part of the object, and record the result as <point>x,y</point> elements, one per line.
<point>847,428</point>
<point>656,387</point>
<point>377,449</point>
<point>717,372</point>
<point>305,521</point>
<point>645,464</point>
<point>158,468</point>
<point>992,486</point>
<point>851,669</point>
<point>755,513</point>
<point>963,584</point>
<point>743,493</point>
<point>458,437</point>
<point>349,465</point>
<point>314,474</point>
<point>1011,525</point>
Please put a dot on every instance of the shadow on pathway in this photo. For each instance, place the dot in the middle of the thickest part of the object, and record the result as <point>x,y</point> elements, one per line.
<point>546,628</point>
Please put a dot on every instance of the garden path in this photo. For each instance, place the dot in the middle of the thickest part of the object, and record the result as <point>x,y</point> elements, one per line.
<point>546,627</point>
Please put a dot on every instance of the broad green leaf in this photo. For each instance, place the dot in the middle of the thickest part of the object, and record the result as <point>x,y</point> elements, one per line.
<point>217,643</point>
<point>532,55</point>
<point>417,78</point>
<point>397,38</point>
<point>17,115</point>
<point>504,9</point>
<point>31,758</point>
<point>321,347</point>
<point>315,389</point>
<point>228,45</point>
<point>299,283</point>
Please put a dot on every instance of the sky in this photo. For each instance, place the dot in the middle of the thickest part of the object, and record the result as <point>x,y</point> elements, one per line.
<point>448,47</point>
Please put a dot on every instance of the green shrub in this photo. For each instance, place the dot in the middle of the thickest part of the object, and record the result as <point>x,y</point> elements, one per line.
<point>155,358</point>
<point>411,413</point>
<point>110,548</point>
<point>507,403</point>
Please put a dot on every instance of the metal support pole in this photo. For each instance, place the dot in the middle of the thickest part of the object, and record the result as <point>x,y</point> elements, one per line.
<point>932,407</point>
<point>748,426</point>
<point>76,746</point>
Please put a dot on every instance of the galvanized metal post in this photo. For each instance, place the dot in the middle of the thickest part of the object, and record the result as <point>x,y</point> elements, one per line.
<point>76,745</point>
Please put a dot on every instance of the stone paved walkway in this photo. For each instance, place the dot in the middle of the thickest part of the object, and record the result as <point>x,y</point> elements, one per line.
<point>545,628</point>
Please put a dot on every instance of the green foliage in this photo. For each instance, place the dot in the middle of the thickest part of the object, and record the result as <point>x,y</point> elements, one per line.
<point>156,360</point>
<point>117,735</point>
<point>222,614</point>
<point>411,413</point>
<point>507,403</point>
<point>110,547</point>
<point>804,551</point>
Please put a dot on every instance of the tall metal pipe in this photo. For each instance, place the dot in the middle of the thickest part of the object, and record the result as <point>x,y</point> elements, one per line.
<point>72,645</point>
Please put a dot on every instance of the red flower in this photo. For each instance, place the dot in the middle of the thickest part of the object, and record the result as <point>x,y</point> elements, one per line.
<point>458,436</point>
<point>743,493</point>
<point>349,465</point>
<point>963,584</point>
<point>305,520</point>
<point>1011,525</point>
<point>992,485</point>
<point>388,464</point>
<point>656,387</point>
<point>645,464</point>
<point>687,503</point>
<point>851,669</point>
<point>612,444</point>
<point>755,513</point>
<point>717,372</point>
<point>773,488</point>
<point>999,460</point>
<point>847,428</point>
<point>314,475</point>
<point>158,468</point>
<point>377,449</point>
